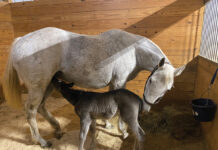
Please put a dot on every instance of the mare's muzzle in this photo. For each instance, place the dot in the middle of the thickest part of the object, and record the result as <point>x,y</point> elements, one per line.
<point>158,100</point>
<point>147,102</point>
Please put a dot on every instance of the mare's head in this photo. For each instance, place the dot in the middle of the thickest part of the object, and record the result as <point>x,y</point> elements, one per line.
<point>160,81</point>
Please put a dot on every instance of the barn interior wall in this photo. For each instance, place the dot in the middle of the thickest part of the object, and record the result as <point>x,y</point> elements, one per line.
<point>205,71</point>
<point>6,36</point>
<point>6,33</point>
<point>174,25</point>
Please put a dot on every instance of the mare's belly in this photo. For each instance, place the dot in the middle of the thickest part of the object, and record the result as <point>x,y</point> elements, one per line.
<point>88,78</point>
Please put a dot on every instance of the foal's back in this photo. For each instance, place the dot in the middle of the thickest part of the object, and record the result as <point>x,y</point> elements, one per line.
<point>97,105</point>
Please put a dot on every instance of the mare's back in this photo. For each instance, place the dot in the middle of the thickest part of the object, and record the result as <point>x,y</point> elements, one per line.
<point>105,45</point>
<point>40,40</point>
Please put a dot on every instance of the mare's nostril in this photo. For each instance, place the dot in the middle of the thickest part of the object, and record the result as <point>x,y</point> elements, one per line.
<point>158,100</point>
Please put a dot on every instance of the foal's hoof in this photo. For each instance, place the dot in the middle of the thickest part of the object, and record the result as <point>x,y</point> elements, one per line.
<point>58,135</point>
<point>125,135</point>
<point>109,126</point>
<point>47,145</point>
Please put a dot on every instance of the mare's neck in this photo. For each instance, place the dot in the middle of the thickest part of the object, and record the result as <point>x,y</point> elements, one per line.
<point>149,55</point>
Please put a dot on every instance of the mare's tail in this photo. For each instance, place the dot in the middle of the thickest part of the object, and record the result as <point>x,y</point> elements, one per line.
<point>11,85</point>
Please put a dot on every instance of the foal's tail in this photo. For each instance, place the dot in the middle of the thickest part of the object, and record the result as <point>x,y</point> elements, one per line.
<point>11,85</point>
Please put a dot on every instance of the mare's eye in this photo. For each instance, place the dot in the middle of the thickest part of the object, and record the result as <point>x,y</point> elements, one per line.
<point>150,81</point>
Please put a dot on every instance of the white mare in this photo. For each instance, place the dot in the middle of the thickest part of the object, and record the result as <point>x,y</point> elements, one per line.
<point>108,59</point>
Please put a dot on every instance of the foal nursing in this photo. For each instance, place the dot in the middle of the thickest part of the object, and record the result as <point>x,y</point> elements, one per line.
<point>90,106</point>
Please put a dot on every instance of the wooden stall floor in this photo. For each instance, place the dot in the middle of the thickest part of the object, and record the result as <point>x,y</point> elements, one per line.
<point>170,128</point>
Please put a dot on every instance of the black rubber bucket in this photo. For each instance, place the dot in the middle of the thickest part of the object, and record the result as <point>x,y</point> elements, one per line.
<point>204,109</point>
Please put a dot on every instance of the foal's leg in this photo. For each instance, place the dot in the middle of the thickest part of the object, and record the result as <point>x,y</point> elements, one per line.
<point>122,128</point>
<point>121,125</point>
<point>85,122</point>
<point>108,125</point>
<point>130,116</point>
<point>139,139</point>
<point>47,115</point>
<point>93,138</point>
<point>139,133</point>
<point>35,96</point>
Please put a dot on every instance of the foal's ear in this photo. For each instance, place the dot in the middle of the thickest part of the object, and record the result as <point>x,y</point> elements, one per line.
<point>161,63</point>
<point>179,70</point>
<point>70,84</point>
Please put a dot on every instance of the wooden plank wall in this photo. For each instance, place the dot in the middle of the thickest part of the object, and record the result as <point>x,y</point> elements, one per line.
<point>6,33</point>
<point>6,36</point>
<point>174,25</point>
<point>205,71</point>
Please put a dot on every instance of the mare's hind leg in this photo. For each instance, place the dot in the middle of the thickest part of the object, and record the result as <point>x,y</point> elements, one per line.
<point>47,115</point>
<point>35,97</point>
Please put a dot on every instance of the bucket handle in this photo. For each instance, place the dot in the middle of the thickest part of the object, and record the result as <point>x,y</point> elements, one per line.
<point>214,76</point>
<point>211,83</point>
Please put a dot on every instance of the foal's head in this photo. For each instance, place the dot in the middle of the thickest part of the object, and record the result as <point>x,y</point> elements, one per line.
<point>58,84</point>
<point>160,81</point>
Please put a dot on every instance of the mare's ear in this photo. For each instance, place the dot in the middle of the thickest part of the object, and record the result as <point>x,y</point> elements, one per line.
<point>179,70</point>
<point>161,63</point>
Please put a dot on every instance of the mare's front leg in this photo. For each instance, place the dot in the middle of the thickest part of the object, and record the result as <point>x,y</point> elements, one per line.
<point>85,122</point>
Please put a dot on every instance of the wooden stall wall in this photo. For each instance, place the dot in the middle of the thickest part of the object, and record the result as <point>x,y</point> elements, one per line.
<point>205,71</point>
<point>6,37</point>
<point>6,33</point>
<point>174,25</point>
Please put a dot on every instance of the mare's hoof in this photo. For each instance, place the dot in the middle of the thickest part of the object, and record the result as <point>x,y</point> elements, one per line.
<point>58,135</point>
<point>125,135</point>
<point>47,145</point>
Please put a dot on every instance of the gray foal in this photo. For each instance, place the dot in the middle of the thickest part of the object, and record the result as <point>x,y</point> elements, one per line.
<point>90,106</point>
